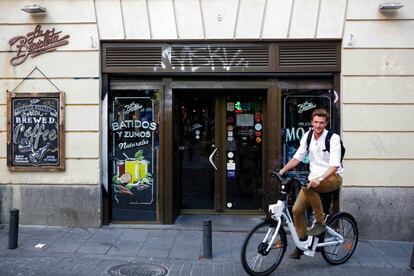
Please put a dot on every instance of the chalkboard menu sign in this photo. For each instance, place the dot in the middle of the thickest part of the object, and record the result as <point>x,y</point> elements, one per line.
<point>35,133</point>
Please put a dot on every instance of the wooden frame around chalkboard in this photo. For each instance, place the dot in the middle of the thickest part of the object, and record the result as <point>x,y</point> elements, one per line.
<point>61,132</point>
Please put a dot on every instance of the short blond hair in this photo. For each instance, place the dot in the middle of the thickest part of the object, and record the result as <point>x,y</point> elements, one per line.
<point>320,112</point>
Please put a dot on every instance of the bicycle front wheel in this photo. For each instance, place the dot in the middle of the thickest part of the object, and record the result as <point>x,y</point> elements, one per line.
<point>256,259</point>
<point>345,225</point>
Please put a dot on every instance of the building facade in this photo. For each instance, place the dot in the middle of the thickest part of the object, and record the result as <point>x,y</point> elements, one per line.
<point>185,106</point>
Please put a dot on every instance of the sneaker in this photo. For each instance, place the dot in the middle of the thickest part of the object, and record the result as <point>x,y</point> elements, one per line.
<point>317,229</point>
<point>296,254</point>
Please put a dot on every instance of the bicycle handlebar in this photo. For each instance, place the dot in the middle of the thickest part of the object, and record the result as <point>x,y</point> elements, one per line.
<point>287,177</point>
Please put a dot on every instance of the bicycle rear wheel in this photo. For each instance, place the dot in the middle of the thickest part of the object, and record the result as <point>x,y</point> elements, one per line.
<point>255,258</point>
<point>345,225</point>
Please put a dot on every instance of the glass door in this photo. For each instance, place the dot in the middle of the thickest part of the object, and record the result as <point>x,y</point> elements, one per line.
<point>195,125</point>
<point>218,149</point>
<point>244,140</point>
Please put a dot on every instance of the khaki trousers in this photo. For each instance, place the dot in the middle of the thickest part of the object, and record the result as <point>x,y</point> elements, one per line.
<point>310,196</point>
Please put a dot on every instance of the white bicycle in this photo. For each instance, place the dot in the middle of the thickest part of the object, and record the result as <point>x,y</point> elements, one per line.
<point>265,245</point>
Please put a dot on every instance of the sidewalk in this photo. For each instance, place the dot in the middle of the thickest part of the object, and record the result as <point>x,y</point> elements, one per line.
<point>93,251</point>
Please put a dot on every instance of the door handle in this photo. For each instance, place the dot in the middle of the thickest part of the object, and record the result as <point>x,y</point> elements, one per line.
<point>211,158</point>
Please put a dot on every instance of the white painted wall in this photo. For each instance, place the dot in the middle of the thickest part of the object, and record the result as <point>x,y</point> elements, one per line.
<point>73,68</point>
<point>378,94</point>
<point>377,68</point>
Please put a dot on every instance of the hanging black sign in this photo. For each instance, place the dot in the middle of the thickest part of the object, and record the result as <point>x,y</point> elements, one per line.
<point>35,138</point>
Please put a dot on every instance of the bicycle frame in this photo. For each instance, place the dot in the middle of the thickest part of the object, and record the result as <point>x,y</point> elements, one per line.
<point>309,246</point>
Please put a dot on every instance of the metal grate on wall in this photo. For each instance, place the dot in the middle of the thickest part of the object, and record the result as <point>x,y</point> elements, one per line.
<point>220,57</point>
<point>302,57</point>
<point>132,58</point>
<point>278,57</point>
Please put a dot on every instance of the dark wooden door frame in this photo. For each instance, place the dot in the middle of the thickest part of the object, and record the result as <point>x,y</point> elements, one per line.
<point>168,111</point>
<point>271,153</point>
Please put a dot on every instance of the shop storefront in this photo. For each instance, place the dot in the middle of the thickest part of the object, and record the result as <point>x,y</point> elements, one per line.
<point>197,128</point>
<point>138,111</point>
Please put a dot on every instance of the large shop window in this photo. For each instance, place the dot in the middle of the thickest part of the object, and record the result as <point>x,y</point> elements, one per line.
<point>133,153</point>
<point>297,107</point>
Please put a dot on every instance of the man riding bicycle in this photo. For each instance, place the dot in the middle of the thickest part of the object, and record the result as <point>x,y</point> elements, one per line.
<point>325,175</point>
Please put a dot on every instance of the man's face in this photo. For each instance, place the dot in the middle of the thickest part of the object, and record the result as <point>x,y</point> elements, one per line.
<point>319,124</point>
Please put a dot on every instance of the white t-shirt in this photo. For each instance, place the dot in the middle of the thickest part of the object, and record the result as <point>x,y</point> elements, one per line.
<point>319,160</point>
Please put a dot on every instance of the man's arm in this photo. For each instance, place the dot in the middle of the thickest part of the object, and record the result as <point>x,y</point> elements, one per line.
<point>315,182</point>
<point>298,157</point>
<point>290,165</point>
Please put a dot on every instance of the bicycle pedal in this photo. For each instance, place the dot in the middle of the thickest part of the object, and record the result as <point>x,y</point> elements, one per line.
<point>309,253</point>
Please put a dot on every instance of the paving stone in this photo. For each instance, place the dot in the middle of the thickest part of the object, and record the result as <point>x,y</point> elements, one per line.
<point>366,255</point>
<point>186,269</point>
<point>184,253</point>
<point>175,270</point>
<point>64,245</point>
<point>97,248</point>
<point>80,251</point>
<point>196,270</point>
<point>106,235</point>
<point>134,235</point>
<point>218,269</point>
<point>125,248</point>
<point>207,270</point>
<point>228,269</point>
<point>155,253</point>
<point>79,233</point>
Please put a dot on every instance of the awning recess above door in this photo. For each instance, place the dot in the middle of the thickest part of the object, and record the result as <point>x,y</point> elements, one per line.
<point>266,57</point>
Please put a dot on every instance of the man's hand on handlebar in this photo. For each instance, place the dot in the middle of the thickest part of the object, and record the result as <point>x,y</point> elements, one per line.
<point>287,177</point>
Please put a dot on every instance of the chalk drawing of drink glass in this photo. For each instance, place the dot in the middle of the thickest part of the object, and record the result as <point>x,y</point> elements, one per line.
<point>132,167</point>
<point>143,168</point>
<point>120,168</point>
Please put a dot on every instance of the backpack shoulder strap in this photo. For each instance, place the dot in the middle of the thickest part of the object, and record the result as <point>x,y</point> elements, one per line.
<point>328,140</point>
<point>309,138</point>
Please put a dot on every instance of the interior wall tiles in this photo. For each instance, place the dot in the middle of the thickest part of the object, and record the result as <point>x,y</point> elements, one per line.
<point>381,145</point>
<point>304,19</point>
<point>331,18</point>
<point>57,64</point>
<point>378,173</point>
<point>377,117</point>
<point>377,62</point>
<point>77,171</point>
<point>162,20</point>
<point>109,18</point>
<point>82,36</point>
<point>380,34</point>
<point>219,18</point>
<point>188,18</point>
<point>277,18</point>
<point>368,10</point>
<point>135,19</point>
<point>61,11</point>
<point>250,18</point>
<point>377,90</point>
